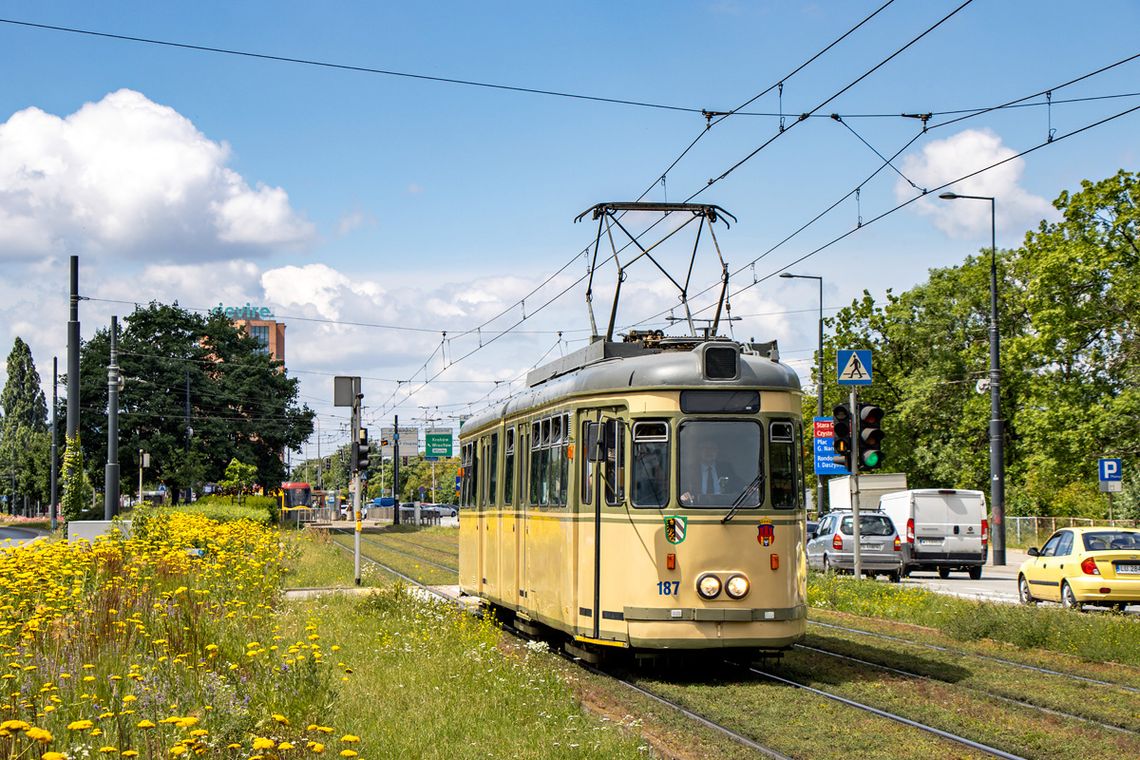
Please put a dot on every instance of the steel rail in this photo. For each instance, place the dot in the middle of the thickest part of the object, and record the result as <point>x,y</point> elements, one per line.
<point>1000,697</point>
<point>374,542</point>
<point>728,732</point>
<point>949,736</point>
<point>991,658</point>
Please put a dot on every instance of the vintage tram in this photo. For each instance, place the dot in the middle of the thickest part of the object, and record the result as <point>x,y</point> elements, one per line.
<point>645,494</point>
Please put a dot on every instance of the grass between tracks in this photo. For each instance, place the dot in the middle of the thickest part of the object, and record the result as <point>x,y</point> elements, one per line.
<point>959,698</point>
<point>1108,637</point>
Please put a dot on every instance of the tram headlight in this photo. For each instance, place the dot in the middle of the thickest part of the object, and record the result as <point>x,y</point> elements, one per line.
<point>708,586</point>
<point>737,586</point>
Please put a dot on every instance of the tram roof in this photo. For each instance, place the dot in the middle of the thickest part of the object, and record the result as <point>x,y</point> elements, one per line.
<point>606,367</point>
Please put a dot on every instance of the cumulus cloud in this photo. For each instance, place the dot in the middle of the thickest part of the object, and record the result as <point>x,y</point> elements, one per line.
<point>127,176</point>
<point>942,160</point>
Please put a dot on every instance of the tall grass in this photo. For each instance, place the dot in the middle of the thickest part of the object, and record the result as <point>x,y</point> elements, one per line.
<point>1102,637</point>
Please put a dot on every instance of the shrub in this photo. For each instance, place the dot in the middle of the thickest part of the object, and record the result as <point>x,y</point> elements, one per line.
<point>268,506</point>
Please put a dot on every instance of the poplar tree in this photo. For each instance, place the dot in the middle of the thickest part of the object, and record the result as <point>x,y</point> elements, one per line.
<point>24,430</point>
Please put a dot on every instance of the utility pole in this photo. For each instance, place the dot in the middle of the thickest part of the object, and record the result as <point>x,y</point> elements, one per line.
<point>357,400</point>
<point>54,442</point>
<point>856,533</point>
<point>189,432</point>
<point>73,354</point>
<point>111,472</point>
<point>396,472</point>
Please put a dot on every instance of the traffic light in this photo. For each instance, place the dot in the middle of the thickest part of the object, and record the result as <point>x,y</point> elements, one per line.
<point>841,436</point>
<point>361,451</point>
<point>870,436</point>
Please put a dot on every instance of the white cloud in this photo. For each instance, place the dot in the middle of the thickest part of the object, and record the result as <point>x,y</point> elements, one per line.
<point>943,160</point>
<point>127,176</point>
<point>354,220</point>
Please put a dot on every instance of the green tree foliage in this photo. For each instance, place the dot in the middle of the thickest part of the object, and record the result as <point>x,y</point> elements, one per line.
<point>1070,355</point>
<point>75,488</point>
<point>24,440</point>
<point>242,404</point>
<point>240,478</point>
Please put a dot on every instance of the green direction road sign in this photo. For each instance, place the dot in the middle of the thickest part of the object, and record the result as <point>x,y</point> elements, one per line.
<point>437,444</point>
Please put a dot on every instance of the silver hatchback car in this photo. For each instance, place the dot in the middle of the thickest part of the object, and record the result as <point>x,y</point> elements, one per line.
<point>832,545</point>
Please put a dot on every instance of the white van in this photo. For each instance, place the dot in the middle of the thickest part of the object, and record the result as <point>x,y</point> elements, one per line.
<point>945,529</point>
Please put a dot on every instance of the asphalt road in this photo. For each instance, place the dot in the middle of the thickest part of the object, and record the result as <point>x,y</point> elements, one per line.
<point>997,584</point>
<point>18,535</point>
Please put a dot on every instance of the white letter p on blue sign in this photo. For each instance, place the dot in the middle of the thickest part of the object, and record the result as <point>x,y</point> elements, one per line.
<point>1110,469</point>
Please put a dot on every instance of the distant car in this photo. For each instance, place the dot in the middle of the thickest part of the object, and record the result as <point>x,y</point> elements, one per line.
<point>447,510</point>
<point>1077,566</point>
<point>832,545</point>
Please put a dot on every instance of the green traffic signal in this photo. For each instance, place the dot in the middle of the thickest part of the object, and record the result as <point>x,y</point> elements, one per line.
<point>870,436</point>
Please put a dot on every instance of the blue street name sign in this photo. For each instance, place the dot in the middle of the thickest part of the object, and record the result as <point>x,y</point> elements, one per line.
<point>853,366</point>
<point>1110,469</point>
<point>825,448</point>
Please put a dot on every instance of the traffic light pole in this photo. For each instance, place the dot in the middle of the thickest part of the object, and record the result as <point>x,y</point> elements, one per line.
<point>856,533</point>
<point>356,487</point>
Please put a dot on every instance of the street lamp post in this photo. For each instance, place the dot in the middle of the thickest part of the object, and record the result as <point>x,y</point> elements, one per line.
<point>819,379</point>
<point>997,451</point>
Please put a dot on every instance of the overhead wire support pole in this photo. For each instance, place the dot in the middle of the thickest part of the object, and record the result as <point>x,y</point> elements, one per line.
<point>54,442</point>
<point>111,472</point>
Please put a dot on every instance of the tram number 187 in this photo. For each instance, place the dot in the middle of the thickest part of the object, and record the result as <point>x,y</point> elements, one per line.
<point>668,588</point>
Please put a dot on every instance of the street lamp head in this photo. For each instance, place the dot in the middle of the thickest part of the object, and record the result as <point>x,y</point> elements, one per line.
<point>786,275</point>
<point>948,196</point>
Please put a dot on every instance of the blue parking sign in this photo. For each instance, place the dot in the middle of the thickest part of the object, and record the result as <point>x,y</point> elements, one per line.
<point>1110,469</point>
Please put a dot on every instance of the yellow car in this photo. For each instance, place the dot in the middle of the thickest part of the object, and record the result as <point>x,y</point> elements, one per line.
<point>1079,566</point>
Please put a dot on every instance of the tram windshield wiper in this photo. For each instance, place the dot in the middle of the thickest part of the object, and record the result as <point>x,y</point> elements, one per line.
<point>752,487</point>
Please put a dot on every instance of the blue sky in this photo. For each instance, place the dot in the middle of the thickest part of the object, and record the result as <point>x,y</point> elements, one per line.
<point>356,197</point>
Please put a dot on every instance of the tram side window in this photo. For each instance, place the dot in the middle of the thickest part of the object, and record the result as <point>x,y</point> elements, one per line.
<point>782,465</point>
<point>556,457</point>
<point>535,461</point>
<point>493,469</point>
<point>509,467</point>
<point>470,463</point>
<point>613,470</point>
<point>589,443</point>
<point>650,464</point>
<point>564,462</point>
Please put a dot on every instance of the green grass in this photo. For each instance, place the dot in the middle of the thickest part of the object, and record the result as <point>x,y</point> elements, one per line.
<point>315,562</point>
<point>1103,637</point>
<point>431,681</point>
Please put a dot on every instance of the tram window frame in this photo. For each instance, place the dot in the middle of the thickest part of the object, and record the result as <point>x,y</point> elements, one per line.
<point>613,466</point>
<point>509,466</point>
<point>493,468</point>
<point>688,489</point>
<point>650,438</point>
<point>564,463</point>
<point>535,460</point>
<point>783,451</point>
<point>589,442</point>
<point>555,458</point>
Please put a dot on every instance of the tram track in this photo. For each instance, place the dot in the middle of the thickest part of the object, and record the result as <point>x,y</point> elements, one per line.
<point>947,735</point>
<point>986,657</point>
<point>410,555</point>
<point>981,692</point>
<point>725,731</point>
<point>722,729</point>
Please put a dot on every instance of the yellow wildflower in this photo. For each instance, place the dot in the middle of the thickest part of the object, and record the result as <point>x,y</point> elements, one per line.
<point>281,719</point>
<point>284,745</point>
<point>260,742</point>
<point>39,735</point>
<point>178,749</point>
<point>145,724</point>
<point>350,738</point>
<point>107,750</point>
<point>348,753</point>
<point>79,725</point>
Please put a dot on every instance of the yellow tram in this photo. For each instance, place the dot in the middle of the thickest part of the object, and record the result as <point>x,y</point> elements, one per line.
<point>645,494</point>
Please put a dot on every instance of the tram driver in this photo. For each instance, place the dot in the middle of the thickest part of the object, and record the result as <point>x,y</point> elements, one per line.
<point>711,477</point>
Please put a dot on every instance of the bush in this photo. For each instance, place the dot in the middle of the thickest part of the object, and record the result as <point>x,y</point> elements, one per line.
<point>267,505</point>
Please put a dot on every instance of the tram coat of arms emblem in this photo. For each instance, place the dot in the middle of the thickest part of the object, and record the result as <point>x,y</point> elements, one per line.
<point>765,533</point>
<point>675,529</point>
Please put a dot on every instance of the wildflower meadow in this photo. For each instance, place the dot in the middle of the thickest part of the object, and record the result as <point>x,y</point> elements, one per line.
<point>165,644</point>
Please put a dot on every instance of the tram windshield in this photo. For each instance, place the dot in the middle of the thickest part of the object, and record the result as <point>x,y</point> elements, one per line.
<point>719,463</point>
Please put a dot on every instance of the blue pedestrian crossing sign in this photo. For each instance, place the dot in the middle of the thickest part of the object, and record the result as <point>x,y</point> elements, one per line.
<point>853,367</point>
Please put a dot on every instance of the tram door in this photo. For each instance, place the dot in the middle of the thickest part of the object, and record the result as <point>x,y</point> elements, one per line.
<point>526,478</point>
<point>603,486</point>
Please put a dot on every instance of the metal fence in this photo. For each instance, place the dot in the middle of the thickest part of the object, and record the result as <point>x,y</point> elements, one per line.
<point>1033,531</point>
